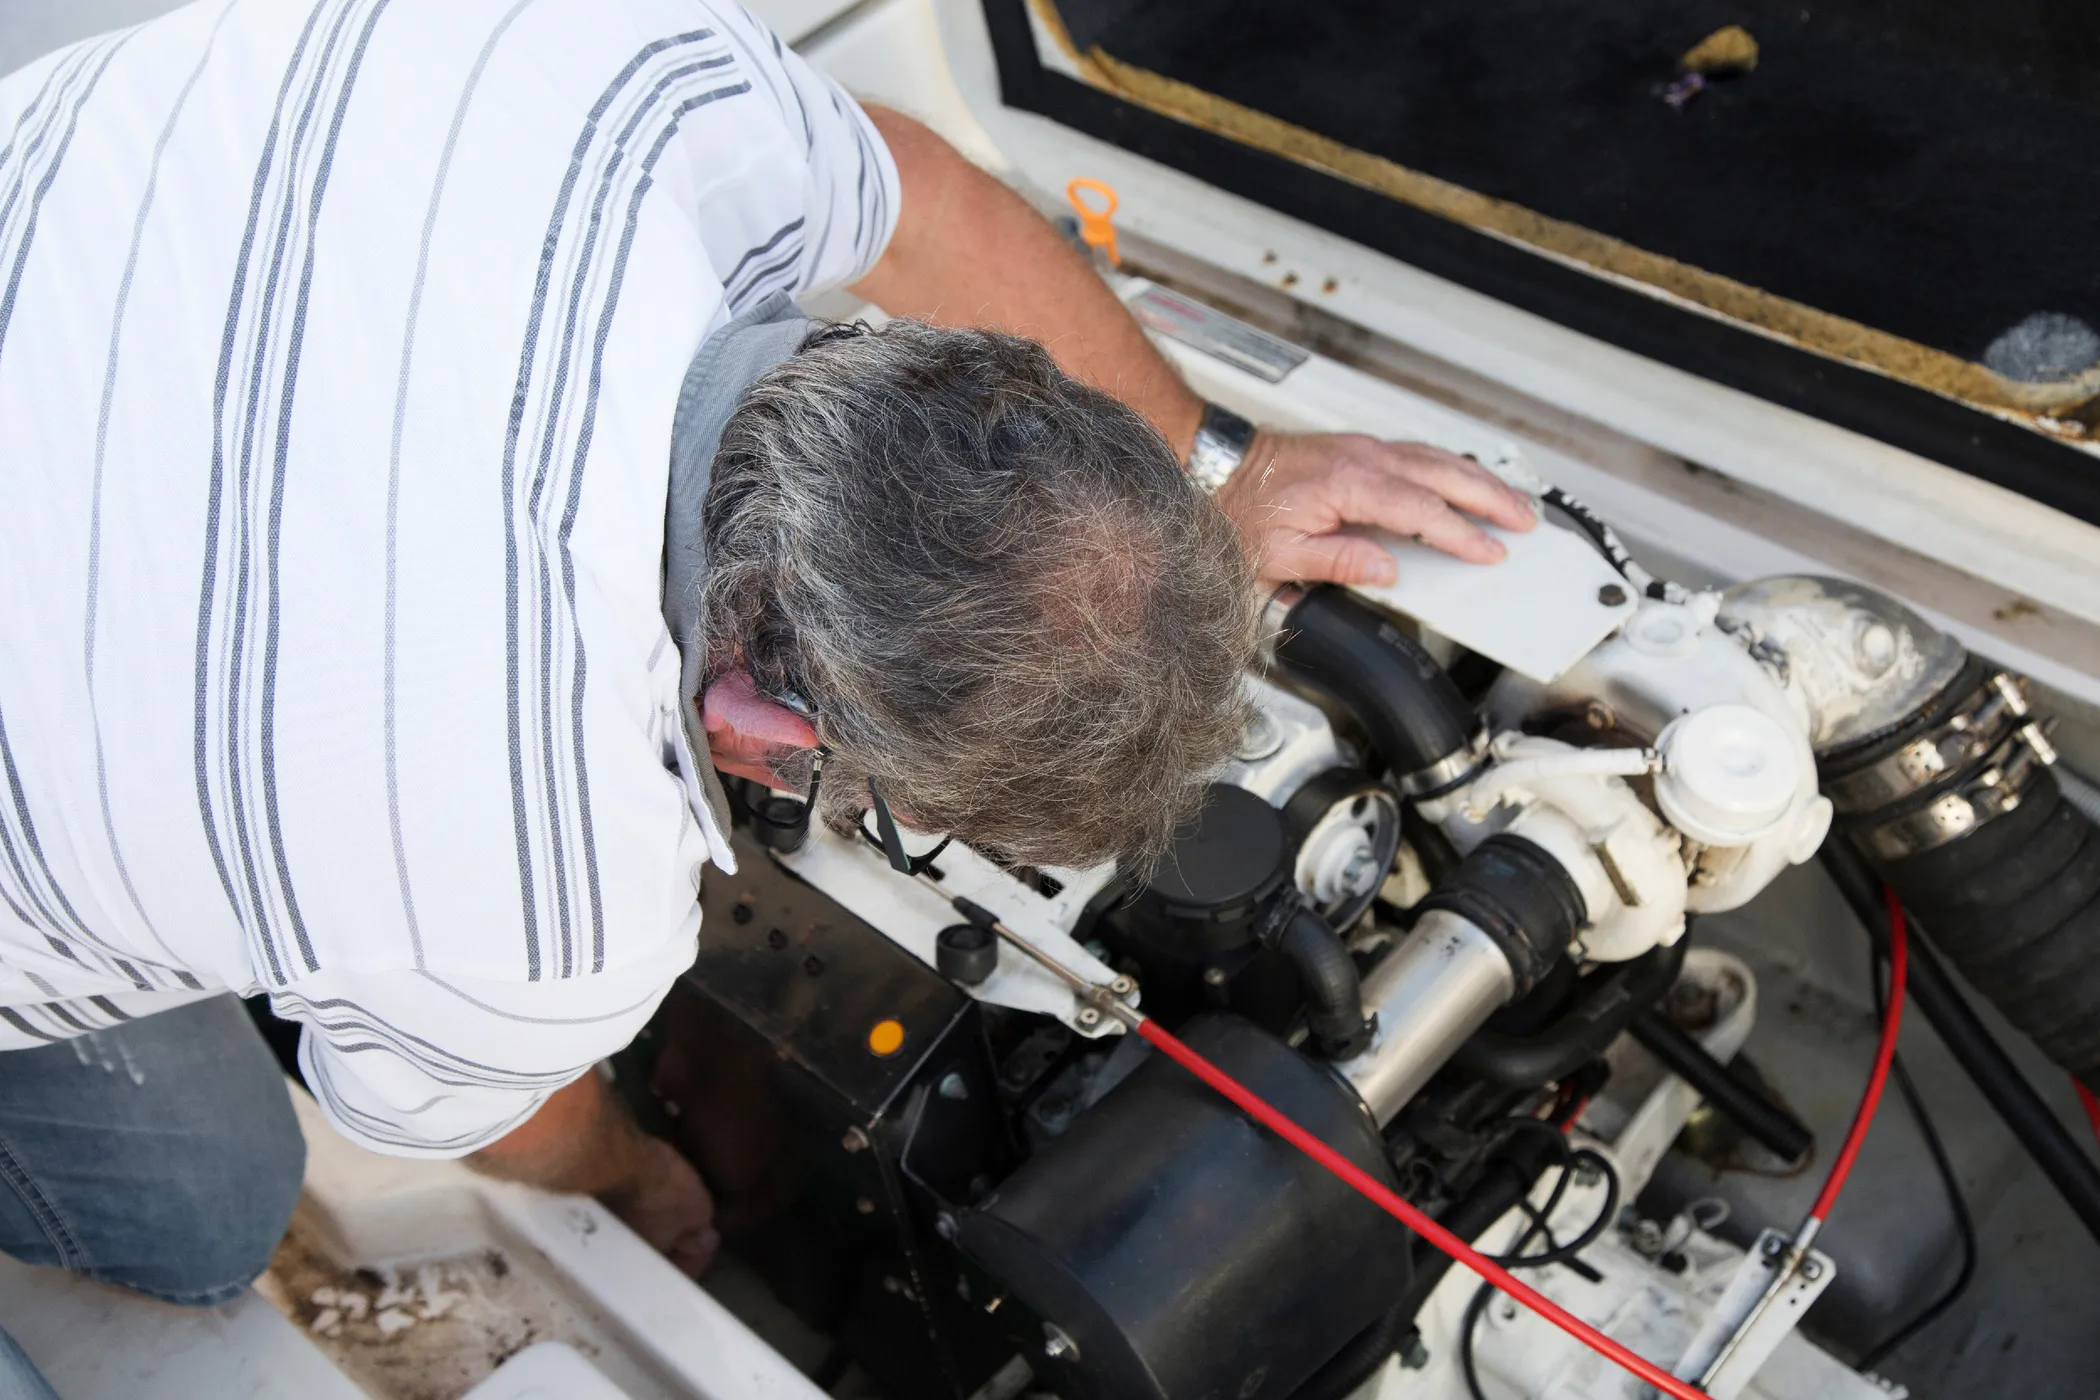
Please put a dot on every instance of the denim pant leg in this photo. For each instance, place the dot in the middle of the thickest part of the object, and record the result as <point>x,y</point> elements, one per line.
<point>162,1155</point>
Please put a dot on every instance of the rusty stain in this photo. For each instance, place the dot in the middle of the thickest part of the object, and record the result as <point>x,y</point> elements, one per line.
<point>1290,279</point>
<point>2018,610</point>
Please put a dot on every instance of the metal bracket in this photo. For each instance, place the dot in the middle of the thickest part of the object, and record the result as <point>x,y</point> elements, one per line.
<point>1762,1303</point>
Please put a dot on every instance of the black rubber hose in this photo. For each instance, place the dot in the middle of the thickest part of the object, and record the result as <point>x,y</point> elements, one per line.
<point>1334,998</point>
<point>2021,919</point>
<point>1787,1136</point>
<point>1932,989</point>
<point>1407,707</point>
<point>1604,1007</point>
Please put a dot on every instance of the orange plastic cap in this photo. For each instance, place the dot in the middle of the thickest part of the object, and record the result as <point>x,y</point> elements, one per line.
<point>1097,226</point>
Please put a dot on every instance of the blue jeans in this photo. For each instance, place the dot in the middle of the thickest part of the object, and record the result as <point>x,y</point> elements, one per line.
<point>162,1156</point>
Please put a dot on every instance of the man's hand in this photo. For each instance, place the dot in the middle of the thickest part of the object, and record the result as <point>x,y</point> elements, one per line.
<point>582,1141</point>
<point>967,251</point>
<point>1295,495</point>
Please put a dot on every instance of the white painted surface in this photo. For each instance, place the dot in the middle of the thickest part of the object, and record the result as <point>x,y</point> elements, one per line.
<point>547,1371</point>
<point>94,1342</point>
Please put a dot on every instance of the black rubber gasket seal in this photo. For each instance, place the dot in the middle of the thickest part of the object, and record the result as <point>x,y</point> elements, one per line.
<point>1888,410</point>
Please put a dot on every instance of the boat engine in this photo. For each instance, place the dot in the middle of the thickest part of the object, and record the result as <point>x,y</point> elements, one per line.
<point>1416,912</point>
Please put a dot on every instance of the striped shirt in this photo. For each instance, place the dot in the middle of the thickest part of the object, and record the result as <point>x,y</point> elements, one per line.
<point>340,343</point>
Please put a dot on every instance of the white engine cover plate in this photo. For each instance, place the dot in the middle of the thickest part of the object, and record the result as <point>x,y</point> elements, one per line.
<point>1537,612</point>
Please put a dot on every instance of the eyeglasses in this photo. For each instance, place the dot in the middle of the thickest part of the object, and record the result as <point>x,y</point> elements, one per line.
<point>886,837</point>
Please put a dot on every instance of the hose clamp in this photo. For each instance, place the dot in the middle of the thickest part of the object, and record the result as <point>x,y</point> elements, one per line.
<point>1977,727</point>
<point>1449,771</point>
<point>1998,788</point>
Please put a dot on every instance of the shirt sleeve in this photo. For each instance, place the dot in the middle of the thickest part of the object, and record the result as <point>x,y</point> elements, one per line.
<point>413,1065</point>
<point>845,196</point>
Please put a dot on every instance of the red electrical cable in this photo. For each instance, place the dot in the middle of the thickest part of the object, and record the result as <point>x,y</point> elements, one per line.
<point>2091,1104</point>
<point>1414,1219</point>
<point>1878,1078</point>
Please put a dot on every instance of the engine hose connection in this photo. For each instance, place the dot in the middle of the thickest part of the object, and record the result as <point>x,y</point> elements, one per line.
<point>1483,939</point>
<point>1956,809</point>
<point>1327,977</point>
<point>1409,710</point>
<point>1521,897</point>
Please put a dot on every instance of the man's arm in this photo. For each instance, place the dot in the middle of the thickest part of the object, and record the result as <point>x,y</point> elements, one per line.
<point>581,1140</point>
<point>968,251</point>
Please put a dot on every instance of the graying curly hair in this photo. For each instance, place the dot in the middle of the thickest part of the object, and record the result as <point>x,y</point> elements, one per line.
<point>1006,600</point>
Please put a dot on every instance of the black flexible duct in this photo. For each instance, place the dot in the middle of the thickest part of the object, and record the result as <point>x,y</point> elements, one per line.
<point>1408,708</point>
<point>1935,994</point>
<point>1334,999</point>
<point>2014,901</point>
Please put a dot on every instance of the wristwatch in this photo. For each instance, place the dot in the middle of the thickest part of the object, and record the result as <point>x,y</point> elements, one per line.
<point>1222,441</point>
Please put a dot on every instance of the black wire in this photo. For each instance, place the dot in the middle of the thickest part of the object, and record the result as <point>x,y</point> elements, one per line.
<point>1555,1253</point>
<point>1964,1224</point>
<point>1561,1254</point>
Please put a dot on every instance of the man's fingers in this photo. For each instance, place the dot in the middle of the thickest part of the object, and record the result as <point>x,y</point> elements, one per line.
<point>1460,480</point>
<point>1349,559</point>
<point>1370,497</point>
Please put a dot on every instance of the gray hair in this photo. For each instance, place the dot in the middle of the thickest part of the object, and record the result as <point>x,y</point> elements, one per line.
<point>1008,603</point>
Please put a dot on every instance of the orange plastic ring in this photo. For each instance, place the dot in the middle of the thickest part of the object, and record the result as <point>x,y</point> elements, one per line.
<point>1097,227</point>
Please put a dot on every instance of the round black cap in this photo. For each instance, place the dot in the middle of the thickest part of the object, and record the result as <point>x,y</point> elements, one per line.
<point>966,953</point>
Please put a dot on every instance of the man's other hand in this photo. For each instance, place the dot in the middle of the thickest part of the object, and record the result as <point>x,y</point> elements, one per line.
<point>1295,495</point>
<point>667,1205</point>
<point>582,1141</point>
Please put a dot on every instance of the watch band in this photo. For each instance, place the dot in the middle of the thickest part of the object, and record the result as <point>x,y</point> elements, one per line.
<point>1222,441</point>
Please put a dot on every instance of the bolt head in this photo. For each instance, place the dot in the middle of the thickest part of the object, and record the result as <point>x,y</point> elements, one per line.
<point>1089,1016</point>
<point>854,1140</point>
<point>1611,595</point>
<point>1214,977</point>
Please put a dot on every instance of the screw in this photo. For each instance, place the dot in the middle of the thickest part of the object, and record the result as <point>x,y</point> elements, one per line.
<point>1214,977</point>
<point>742,913</point>
<point>1611,595</point>
<point>944,1225</point>
<point>1089,1016</point>
<point>890,1284</point>
<point>854,1140</point>
<point>1811,1270</point>
<point>1774,1247</point>
<point>953,1087</point>
<point>1123,986</point>
<point>776,939</point>
<point>1056,1343</point>
<point>864,1206</point>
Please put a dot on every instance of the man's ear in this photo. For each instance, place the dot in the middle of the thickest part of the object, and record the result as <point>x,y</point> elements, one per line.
<point>746,731</point>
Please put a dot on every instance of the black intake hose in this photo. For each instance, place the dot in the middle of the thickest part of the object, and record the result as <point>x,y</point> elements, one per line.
<point>1605,1006</point>
<point>1409,710</point>
<point>2013,900</point>
<point>1334,997</point>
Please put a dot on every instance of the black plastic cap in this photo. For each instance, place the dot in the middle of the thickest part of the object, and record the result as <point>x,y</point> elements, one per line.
<point>966,953</point>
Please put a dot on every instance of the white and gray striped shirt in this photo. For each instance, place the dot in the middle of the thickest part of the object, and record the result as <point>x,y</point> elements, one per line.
<point>340,342</point>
